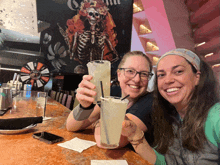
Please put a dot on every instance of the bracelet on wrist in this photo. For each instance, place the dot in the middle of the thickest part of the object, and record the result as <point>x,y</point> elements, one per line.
<point>137,141</point>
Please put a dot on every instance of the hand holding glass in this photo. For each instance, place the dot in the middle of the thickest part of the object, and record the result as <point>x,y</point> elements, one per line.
<point>112,115</point>
<point>101,71</point>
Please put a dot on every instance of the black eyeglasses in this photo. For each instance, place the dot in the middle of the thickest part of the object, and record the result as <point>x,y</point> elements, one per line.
<point>131,73</point>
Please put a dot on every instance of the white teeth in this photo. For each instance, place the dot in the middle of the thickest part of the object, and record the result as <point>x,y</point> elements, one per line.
<point>172,90</point>
<point>135,87</point>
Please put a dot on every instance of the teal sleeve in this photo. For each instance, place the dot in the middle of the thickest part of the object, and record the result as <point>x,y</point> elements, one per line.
<point>160,159</point>
<point>212,125</point>
<point>217,132</point>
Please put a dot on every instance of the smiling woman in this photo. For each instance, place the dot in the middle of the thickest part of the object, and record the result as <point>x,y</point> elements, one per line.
<point>186,102</point>
<point>134,72</point>
<point>185,113</point>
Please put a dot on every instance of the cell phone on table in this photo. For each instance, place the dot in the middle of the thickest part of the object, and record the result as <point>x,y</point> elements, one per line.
<point>47,137</point>
<point>2,112</point>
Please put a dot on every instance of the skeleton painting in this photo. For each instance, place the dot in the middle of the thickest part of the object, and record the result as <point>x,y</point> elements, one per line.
<point>75,32</point>
<point>90,35</point>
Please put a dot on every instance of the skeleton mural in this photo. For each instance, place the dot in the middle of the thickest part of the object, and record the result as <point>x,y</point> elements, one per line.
<point>90,34</point>
<point>79,31</point>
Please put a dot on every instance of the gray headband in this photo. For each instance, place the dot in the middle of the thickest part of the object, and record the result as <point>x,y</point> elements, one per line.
<point>187,54</point>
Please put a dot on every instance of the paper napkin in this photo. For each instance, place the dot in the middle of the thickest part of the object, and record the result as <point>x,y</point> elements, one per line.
<point>109,162</point>
<point>77,144</point>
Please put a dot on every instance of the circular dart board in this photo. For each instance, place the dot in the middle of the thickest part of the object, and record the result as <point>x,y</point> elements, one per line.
<point>35,73</point>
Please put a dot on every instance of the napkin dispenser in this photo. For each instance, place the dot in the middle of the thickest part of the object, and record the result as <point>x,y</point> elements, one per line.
<point>5,98</point>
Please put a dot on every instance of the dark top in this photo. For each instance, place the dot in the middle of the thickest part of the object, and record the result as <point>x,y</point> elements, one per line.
<point>142,109</point>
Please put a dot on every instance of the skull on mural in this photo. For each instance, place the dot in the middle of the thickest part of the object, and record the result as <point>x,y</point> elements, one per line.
<point>90,35</point>
<point>93,16</point>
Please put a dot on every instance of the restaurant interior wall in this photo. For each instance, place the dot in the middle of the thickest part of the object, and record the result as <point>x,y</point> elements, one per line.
<point>70,82</point>
<point>57,84</point>
<point>202,24</point>
<point>19,46</point>
<point>6,76</point>
<point>194,7</point>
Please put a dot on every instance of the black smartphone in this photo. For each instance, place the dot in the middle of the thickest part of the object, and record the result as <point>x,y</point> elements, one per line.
<point>47,137</point>
<point>2,112</point>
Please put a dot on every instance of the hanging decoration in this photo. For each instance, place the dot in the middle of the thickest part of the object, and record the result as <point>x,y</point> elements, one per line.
<point>35,73</point>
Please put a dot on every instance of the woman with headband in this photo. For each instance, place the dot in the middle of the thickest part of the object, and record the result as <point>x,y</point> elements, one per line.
<point>186,115</point>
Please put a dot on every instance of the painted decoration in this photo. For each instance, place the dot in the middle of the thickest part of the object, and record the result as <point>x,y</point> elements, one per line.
<point>35,73</point>
<point>84,30</point>
<point>65,34</point>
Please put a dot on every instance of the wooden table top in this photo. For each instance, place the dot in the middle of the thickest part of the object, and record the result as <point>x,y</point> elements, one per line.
<point>24,149</point>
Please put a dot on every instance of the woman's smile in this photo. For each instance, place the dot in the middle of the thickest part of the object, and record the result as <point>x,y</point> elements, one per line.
<point>134,86</point>
<point>172,91</point>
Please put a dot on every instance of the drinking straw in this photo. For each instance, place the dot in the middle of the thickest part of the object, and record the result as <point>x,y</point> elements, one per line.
<point>125,97</point>
<point>102,89</point>
<point>104,124</point>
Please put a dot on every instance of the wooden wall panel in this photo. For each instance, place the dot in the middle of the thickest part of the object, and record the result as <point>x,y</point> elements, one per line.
<point>205,22</point>
<point>194,5</point>
<point>207,31</point>
<point>206,13</point>
<point>210,46</point>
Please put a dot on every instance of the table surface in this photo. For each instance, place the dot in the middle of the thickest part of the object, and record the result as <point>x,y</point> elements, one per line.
<point>24,149</point>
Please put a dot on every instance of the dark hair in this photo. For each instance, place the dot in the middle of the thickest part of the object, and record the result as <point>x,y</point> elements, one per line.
<point>135,53</point>
<point>206,94</point>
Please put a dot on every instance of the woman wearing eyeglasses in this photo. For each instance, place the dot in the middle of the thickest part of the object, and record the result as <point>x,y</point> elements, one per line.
<point>186,113</point>
<point>134,72</point>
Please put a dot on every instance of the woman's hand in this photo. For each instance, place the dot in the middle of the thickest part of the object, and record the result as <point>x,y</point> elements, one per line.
<point>136,137</point>
<point>85,91</point>
<point>130,129</point>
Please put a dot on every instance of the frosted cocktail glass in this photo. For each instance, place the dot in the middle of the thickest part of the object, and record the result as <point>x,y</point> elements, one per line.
<point>113,111</point>
<point>101,71</point>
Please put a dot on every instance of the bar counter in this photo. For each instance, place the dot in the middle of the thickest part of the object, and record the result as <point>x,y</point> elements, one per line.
<point>23,149</point>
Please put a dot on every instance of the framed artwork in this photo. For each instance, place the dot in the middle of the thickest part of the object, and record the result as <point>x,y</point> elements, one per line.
<point>80,31</point>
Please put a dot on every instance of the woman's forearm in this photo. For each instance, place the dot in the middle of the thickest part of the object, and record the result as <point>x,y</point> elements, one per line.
<point>145,151</point>
<point>73,124</point>
<point>136,137</point>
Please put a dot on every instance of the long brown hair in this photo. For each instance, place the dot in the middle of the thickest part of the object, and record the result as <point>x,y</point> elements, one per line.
<point>206,94</point>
